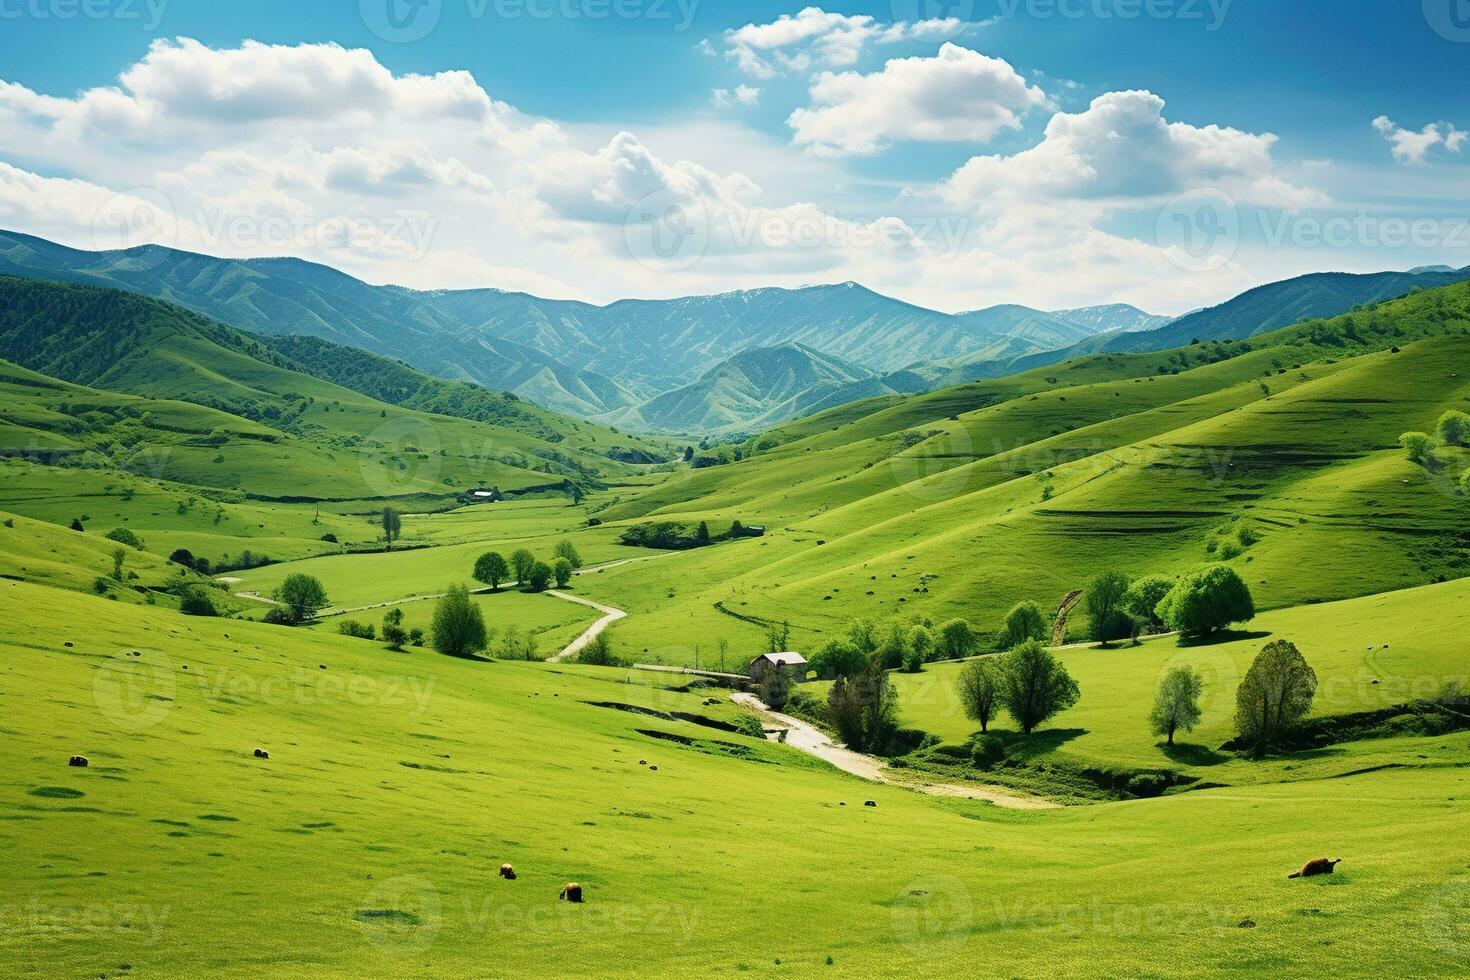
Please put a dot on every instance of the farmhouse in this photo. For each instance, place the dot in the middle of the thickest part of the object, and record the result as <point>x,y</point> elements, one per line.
<point>794,664</point>
<point>481,495</point>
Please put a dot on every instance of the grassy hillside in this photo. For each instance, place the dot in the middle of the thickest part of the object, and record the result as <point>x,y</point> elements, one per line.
<point>306,438</point>
<point>962,502</point>
<point>398,783</point>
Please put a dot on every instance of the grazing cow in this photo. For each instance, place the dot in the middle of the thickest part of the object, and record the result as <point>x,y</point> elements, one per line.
<point>262,754</point>
<point>507,872</point>
<point>870,803</point>
<point>1317,866</point>
<point>80,761</point>
<point>571,893</point>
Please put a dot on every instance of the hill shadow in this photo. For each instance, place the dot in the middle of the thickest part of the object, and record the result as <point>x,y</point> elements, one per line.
<point>1039,743</point>
<point>1193,755</point>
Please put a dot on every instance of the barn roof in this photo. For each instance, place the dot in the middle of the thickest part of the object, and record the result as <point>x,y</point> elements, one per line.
<point>789,659</point>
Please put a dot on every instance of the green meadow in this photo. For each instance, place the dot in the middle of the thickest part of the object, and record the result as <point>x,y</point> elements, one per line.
<point>396,783</point>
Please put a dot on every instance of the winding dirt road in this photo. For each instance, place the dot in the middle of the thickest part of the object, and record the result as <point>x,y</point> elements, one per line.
<point>811,740</point>
<point>611,615</point>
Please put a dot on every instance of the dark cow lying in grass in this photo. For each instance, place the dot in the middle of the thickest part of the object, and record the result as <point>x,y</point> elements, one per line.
<point>1317,866</point>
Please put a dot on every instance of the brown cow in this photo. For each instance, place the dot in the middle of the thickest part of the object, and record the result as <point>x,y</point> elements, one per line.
<point>571,893</point>
<point>507,872</point>
<point>1314,867</point>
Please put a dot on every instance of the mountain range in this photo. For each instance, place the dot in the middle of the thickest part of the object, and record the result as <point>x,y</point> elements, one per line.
<point>729,362</point>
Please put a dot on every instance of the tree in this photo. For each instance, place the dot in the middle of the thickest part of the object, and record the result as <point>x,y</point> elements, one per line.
<point>956,640</point>
<point>921,647</point>
<point>1176,705</point>
<point>1144,596</point>
<point>837,659</point>
<point>539,579</point>
<point>701,534</point>
<point>845,711</point>
<point>775,687</point>
<point>864,708</point>
<point>1207,601</point>
<point>1277,692</point>
<point>561,570</point>
<point>300,597</point>
<point>688,454</point>
<point>182,556</point>
<point>392,525</point>
<point>1418,445</point>
<point>1034,685</point>
<point>1454,428</point>
<point>737,530</point>
<point>76,525</point>
<point>125,536</point>
<point>980,691</point>
<point>393,632</point>
<point>778,637</point>
<point>894,649</point>
<point>491,569</point>
<point>565,549</point>
<point>458,627</point>
<point>1025,622</point>
<point>1106,618</point>
<point>119,556</point>
<point>521,563</point>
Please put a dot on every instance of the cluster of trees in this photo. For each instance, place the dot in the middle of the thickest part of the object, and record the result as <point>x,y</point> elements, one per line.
<point>903,646</point>
<point>1453,429</point>
<point>1275,695</point>
<point>1028,683</point>
<point>673,536</point>
<point>524,569</point>
<point>1120,608</point>
<point>392,633</point>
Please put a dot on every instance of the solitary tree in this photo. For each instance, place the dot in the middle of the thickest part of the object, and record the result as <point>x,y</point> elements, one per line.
<point>1454,428</point>
<point>956,639</point>
<point>778,637</point>
<point>1034,685</point>
<point>1276,693</point>
<point>1144,596</point>
<point>979,691</point>
<point>737,530</point>
<point>1207,601</point>
<point>565,549</point>
<point>458,627</point>
<point>921,646</point>
<point>521,563</point>
<point>392,525</point>
<point>301,596</point>
<point>491,569</point>
<point>119,556</point>
<point>1176,705</point>
<point>1024,622</point>
<point>393,632</point>
<point>539,579</point>
<point>561,571</point>
<point>1107,619</point>
<point>1418,445</point>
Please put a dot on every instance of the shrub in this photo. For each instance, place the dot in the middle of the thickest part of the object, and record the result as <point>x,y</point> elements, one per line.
<point>749,723</point>
<point>329,538</point>
<point>561,571</point>
<point>99,585</point>
<point>458,627</point>
<point>979,691</point>
<point>1418,445</point>
<point>837,659</point>
<point>1034,685</point>
<point>300,596</point>
<point>599,653</point>
<point>1207,601</point>
<point>125,536</point>
<point>516,645</point>
<point>416,637</point>
<point>1025,622</point>
<point>195,600</point>
<point>491,568</point>
<point>987,750</point>
<point>1454,428</point>
<point>1276,693</point>
<point>921,643</point>
<point>393,632</point>
<point>363,631</point>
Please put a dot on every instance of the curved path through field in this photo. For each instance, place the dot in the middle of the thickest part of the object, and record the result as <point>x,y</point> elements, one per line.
<point>611,615</point>
<point>811,740</point>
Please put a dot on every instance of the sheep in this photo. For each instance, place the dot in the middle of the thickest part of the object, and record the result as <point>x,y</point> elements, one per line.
<point>80,761</point>
<point>1314,867</point>
<point>507,872</point>
<point>571,893</point>
<point>262,754</point>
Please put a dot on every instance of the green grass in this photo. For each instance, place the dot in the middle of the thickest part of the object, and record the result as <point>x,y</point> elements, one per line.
<point>397,783</point>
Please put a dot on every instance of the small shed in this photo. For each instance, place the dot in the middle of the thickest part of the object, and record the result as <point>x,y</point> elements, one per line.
<point>794,664</point>
<point>481,495</point>
<point>756,531</point>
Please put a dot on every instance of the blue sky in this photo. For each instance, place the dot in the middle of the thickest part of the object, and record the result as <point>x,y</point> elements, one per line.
<point>947,152</point>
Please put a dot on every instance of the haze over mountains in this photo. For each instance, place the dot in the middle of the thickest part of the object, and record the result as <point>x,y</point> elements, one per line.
<point>735,361</point>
